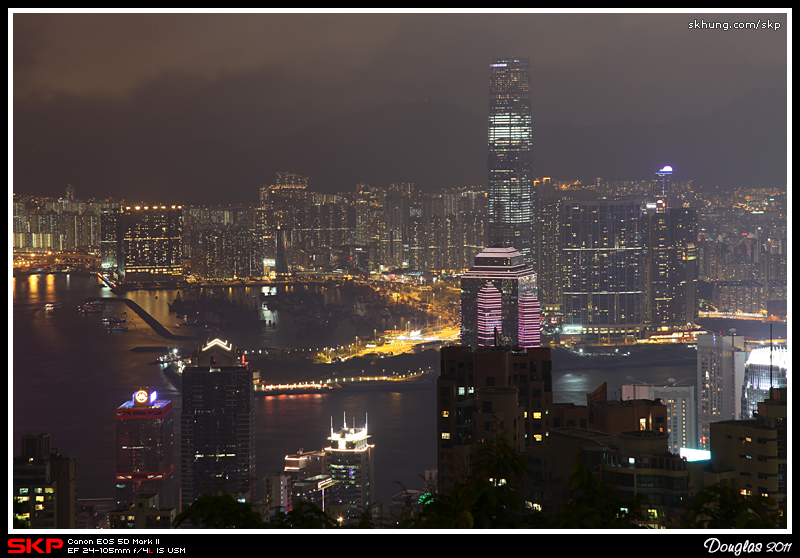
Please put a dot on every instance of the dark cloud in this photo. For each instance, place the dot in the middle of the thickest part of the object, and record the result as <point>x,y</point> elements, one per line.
<point>182,104</point>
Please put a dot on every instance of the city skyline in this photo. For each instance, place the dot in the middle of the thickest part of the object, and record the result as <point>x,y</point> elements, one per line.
<point>312,193</point>
<point>194,110</point>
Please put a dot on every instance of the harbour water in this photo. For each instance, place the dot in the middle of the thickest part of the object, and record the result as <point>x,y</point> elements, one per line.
<point>70,374</point>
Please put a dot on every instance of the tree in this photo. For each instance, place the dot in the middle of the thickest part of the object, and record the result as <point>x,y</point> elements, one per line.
<point>723,506</point>
<point>594,505</point>
<point>486,498</point>
<point>220,510</point>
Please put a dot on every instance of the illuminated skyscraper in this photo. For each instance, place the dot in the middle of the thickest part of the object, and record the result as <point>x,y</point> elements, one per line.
<point>217,424</point>
<point>499,303</point>
<point>670,237</point>
<point>144,448</point>
<point>766,367</point>
<point>662,188</point>
<point>351,464</point>
<point>720,378</point>
<point>603,254</point>
<point>511,194</point>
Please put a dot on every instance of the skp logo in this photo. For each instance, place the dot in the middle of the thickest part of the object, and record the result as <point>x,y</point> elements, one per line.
<point>29,546</point>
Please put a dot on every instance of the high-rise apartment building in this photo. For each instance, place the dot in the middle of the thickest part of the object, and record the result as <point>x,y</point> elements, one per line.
<point>516,384</point>
<point>217,424</point>
<point>681,411</point>
<point>512,198</point>
<point>753,452</point>
<point>44,485</point>
<point>350,459</point>
<point>499,301</point>
<point>149,244</point>
<point>145,461</point>
<point>720,377</point>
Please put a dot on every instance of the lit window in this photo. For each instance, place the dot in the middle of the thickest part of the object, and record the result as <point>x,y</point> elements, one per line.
<point>445,414</point>
<point>445,435</point>
<point>537,415</point>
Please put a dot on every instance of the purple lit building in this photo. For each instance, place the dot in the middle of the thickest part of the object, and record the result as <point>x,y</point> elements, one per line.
<point>499,301</point>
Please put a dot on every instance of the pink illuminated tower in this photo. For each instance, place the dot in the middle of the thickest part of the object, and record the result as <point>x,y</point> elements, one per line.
<point>490,317</point>
<point>499,301</point>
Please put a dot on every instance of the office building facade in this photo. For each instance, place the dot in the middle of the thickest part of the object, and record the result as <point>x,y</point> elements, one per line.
<point>217,424</point>
<point>603,250</point>
<point>350,460</point>
<point>765,368</point>
<point>511,195</point>
<point>499,301</point>
<point>144,443</point>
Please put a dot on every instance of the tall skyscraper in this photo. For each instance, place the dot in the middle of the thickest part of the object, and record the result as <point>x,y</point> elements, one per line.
<point>670,237</point>
<point>145,449</point>
<point>720,378</point>
<point>511,194</point>
<point>351,464</point>
<point>499,301</point>
<point>766,368</point>
<point>603,267</point>
<point>662,188</point>
<point>217,424</point>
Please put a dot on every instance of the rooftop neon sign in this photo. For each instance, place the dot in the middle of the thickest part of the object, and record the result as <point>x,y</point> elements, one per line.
<point>224,344</point>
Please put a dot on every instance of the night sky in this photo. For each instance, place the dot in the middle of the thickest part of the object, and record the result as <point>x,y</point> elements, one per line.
<point>205,108</point>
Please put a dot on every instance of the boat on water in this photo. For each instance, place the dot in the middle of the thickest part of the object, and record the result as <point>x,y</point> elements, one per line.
<point>52,305</point>
<point>173,356</point>
<point>90,308</point>
<point>117,328</point>
<point>113,320</point>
